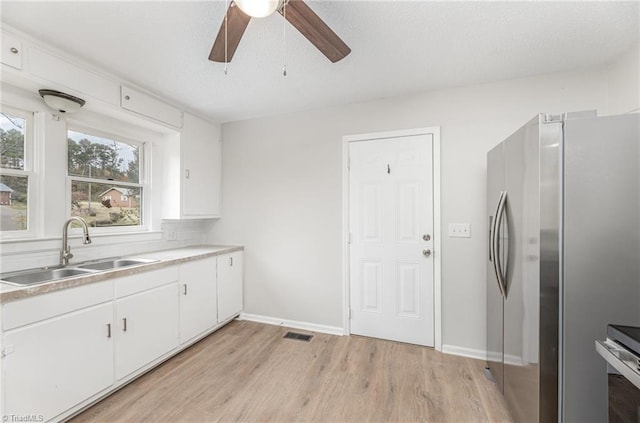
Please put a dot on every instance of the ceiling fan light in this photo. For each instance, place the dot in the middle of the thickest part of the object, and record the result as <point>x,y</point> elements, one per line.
<point>61,102</point>
<point>258,8</point>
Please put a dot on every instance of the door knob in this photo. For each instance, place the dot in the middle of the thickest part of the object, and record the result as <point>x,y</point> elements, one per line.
<point>426,253</point>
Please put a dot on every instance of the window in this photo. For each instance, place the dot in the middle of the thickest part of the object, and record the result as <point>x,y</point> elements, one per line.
<point>16,172</point>
<point>106,181</point>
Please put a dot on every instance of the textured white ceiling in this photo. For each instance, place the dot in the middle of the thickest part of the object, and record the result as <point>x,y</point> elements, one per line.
<point>397,47</point>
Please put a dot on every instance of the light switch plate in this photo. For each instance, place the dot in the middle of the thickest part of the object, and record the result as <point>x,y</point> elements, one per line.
<point>459,230</point>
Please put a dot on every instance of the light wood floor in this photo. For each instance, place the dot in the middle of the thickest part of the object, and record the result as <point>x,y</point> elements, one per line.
<point>246,372</point>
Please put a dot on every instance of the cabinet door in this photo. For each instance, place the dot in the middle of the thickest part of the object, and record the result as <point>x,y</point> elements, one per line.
<point>55,364</point>
<point>198,306</point>
<point>146,327</point>
<point>11,53</point>
<point>201,167</point>
<point>229,285</point>
<point>139,102</point>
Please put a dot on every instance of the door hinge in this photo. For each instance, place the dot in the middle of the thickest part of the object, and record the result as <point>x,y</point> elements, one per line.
<point>349,238</point>
<point>349,313</point>
<point>549,118</point>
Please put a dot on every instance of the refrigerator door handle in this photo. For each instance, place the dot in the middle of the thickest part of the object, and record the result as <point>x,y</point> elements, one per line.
<point>492,241</point>
<point>490,238</point>
<point>497,262</point>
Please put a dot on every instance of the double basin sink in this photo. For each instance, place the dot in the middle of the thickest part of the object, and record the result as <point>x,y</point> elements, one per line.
<point>35,276</point>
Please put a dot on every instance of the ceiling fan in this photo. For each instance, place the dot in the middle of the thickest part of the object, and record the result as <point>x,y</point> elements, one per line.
<point>297,12</point>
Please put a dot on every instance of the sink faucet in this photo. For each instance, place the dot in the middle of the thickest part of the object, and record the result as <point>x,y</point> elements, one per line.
<point>65,254</point>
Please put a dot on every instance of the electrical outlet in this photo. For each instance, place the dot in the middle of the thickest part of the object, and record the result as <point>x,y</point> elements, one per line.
<point>459,230</point>
<point>172,235</point>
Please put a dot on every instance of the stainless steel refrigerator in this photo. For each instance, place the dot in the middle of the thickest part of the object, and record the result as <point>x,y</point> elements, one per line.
<point>564,260</point>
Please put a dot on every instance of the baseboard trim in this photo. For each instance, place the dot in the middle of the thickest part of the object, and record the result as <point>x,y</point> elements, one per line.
<point>334,330</point>
<point>331,330</point>
<point>464,352</point>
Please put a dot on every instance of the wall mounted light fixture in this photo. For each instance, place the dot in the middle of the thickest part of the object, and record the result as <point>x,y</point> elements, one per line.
<point>61,102</point>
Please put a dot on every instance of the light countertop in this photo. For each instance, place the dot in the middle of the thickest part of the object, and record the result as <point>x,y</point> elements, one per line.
<point>164,258</point>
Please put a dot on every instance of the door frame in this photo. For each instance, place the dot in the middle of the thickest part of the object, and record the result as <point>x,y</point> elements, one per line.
<point>434,131</point>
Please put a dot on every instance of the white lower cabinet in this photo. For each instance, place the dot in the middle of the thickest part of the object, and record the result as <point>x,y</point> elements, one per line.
<point>52,365</point>
<point>146,327</point>
<point>198,304</point>
<point>229,285</point>
<point>64,349</point>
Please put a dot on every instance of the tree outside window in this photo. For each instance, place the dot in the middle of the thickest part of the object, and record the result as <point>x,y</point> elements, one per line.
<point>14,177</point>
<point>106,188</point>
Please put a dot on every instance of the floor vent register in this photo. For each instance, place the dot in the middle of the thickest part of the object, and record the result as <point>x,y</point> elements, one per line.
<point>298,336</point>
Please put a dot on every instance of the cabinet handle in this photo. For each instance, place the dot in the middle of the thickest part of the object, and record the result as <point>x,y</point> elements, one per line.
<point>124,323</point>
<point>184,289</point>
<point>108,330</point>
<point>231,261</point>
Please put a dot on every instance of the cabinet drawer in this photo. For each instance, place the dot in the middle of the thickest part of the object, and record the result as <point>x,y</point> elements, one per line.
<point>147,280</point>
<point>33,309</point>
<point>11,53</point>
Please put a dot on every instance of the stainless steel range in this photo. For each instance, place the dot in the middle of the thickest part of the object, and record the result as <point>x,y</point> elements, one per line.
<point>622,352</point>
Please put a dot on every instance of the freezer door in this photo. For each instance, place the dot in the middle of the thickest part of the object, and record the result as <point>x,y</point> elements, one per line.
<point>495,186</point>
<point>522,304</point>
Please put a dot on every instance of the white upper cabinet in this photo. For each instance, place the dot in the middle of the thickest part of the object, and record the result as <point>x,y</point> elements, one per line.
<point>201,168</point>
<point>146,105</point>
<point>64,74</point>
<point>34,65</point>
<point>11,53</point>
<point>192,171</point>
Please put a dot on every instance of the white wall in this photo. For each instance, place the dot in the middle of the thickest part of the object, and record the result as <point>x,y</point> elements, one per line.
<point>623,79</point>
<point>282,192</point>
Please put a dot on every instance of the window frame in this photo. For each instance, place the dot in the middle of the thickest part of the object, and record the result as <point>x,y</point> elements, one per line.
<point>30,171</point>
<point>143,172</point>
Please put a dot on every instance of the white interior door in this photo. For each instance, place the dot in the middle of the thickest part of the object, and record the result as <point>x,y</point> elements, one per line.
<point>391,233</point>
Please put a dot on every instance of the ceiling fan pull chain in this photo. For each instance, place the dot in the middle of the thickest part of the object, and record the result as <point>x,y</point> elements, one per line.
<point>226,25</point>
<point>284,38</point>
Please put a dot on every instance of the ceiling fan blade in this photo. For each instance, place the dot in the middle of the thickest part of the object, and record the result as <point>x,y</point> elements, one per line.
<point>315,30</point>
<point>237,22</point>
